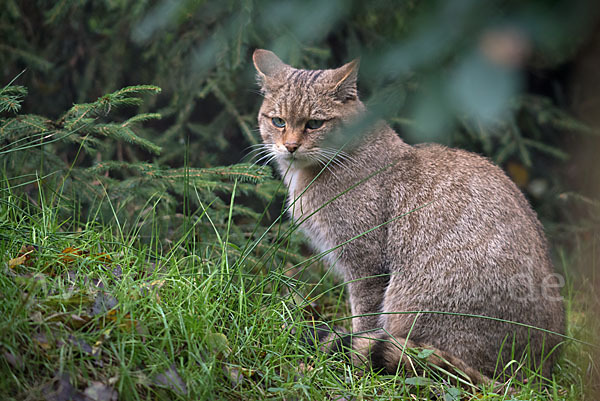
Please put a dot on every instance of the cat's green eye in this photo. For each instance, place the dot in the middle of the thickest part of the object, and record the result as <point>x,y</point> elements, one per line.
<point>278,122</point>
<point>314,124</point>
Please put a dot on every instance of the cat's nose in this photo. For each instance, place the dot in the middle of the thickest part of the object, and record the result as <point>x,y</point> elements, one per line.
<point>291,146</point>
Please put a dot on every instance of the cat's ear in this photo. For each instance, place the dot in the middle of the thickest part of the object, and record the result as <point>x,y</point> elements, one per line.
<point>345,81</point>
<point>267,65</point>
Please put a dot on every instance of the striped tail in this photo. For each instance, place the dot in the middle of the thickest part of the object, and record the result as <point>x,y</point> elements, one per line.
<point>390,355</point>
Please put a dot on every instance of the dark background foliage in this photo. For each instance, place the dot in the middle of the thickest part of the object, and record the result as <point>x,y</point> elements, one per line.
<point>512,80</point>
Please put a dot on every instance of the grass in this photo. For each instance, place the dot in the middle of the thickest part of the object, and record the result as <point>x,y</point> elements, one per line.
<point>92,310</point>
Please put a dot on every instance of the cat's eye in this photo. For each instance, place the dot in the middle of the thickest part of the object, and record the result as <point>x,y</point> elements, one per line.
<point>278,122</point>
<point>314,124</point>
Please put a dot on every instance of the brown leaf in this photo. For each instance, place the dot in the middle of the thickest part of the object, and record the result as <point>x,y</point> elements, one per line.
<point>69,254</point>
<point>19,260</point>
<point>23,258</point>
<point>103,257</point>
<point>125,322</point>
<point>78,321</point>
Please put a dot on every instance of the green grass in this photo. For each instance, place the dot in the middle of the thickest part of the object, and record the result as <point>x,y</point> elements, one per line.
<point>95,310</point>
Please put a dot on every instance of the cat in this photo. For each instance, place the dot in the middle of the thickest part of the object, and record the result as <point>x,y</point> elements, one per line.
<point>411,228</point>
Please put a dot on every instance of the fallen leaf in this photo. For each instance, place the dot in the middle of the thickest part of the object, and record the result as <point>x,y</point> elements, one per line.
<point>41,341</point>
<point>218,344</point>
<point>72,320</point>
<point>69,254</point>
<point>23,258</point>
<point>98,345</point>
<point>103,257</point>
<point>83,346</point>
<point>78,321</point>
<point>19,260</point>
<point>101,392</point>
<point>14,359</point>
<point>234,374</point>
<point>103,303</point>
<point>79,298</point>
<point>171,380</point>
<point>60,389</point>
<point>125,322</point>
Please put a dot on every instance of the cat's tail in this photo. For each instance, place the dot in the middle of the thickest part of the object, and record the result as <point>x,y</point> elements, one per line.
<point>388,354</point>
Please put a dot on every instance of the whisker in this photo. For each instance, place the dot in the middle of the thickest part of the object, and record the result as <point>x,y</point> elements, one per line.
<point>259,160</point>
<point>257,155</point>
<point>337,153</point>
<point>319,158</point>
<point>331,153</point>
<point>257,152</point>
<point>269,161</point>
<point>258,145</point>
<point>331,159</point>
<point>272,156</point>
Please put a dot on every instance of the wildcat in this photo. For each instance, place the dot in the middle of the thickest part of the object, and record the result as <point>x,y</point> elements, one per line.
<point>422,228</point>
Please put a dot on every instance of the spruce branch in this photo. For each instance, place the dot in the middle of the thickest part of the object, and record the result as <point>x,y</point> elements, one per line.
<point>200,176</point>
<point>123,132</point>
<point>11,98</point>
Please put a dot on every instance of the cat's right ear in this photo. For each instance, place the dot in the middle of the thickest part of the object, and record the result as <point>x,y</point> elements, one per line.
<point>267,65</point>
<point>345,79</point>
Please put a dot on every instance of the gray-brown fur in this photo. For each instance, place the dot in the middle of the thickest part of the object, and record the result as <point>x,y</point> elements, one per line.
<point>468,241</point>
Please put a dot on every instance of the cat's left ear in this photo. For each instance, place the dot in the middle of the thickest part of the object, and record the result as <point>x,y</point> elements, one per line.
<point>345,78</point>
<point>267,65</point>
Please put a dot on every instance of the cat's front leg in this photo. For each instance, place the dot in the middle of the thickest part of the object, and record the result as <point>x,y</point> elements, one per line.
<point>366,298</point>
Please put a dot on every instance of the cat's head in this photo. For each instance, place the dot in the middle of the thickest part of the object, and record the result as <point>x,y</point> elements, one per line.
<point>302,109</point>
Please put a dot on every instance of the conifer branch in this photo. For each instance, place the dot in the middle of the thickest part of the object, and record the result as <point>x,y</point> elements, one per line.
<point>11,98</point>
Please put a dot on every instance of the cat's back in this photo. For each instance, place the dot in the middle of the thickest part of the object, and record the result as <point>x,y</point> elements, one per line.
<point>457,200</point>
<point>466,180</point>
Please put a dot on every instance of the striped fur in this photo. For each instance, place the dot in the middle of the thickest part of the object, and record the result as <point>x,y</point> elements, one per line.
<point>439,249</point>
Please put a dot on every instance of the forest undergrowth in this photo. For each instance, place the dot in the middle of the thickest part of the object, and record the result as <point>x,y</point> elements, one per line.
<point>182,290</point>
